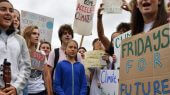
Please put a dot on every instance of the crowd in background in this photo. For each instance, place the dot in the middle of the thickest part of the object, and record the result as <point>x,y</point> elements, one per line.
<point>63,72</point>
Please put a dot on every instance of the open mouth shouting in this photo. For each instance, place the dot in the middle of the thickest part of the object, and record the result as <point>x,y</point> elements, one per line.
<point>7,19</point>
<point>146,5</point>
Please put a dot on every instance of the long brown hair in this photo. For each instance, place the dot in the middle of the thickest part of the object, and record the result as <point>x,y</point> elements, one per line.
<point>138,22</point>
<point>27,34</point>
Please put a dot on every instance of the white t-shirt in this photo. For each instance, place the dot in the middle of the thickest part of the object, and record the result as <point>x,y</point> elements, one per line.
<point>36,82</point>
<point>148,26</point>
<point>62,57</point>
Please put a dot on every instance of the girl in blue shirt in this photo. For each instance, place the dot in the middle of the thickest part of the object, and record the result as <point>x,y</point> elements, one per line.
<point>70,76</point>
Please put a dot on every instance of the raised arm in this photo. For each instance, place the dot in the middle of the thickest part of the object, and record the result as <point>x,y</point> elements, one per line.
<point>127,6</point>
<point>100,30</point>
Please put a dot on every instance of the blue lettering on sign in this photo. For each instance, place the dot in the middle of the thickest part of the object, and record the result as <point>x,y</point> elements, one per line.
<point>157,60</point>
<point>137,87</point>
<point>141,65</point>
<point>128,65</point>
<point>149,89</point>
<point>156,86</point>
<point>124,89</point>
<point>108,78</point>
<point>164,86</point>
<point>160,87</point>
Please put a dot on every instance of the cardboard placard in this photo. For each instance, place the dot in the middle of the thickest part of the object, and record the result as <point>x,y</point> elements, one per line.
<point>145,61</point>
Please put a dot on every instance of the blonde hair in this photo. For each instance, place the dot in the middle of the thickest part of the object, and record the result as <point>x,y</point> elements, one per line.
<point>27,34</point>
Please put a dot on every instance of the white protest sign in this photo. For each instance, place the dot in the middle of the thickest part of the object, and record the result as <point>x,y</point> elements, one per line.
<point>45,24</point>
<point>112,6</point>
<point>83,21</point>
<point>117,46</point>
<point>109,82</point>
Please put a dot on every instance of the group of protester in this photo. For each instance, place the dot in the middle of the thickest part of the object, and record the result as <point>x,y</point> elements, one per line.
<point>63,72</point>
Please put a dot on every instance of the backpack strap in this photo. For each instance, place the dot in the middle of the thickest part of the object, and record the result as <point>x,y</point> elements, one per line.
<point>56,51</point>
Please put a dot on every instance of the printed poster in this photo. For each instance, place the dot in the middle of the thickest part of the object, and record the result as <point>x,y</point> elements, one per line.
<point>44,23</point>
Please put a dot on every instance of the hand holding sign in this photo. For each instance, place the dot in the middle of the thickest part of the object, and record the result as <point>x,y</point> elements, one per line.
<point>112,6</point>
<point>126,6</point>
<point>99,12</point>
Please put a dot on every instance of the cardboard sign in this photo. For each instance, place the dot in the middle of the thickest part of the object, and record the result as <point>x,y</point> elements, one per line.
<point>93,58</point>
<point>109,82</point>
<point>144,68</point>
<point>112,6</point>
<point>45,24</point>
<point>83,21</point>
<point>117,46</point>
<point>37,60</point>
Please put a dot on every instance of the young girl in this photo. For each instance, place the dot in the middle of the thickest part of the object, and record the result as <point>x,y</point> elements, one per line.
<point>82,50</point>
<point>70,76</point>
<point>35,82</point>
<point>16,20</point>
<point>10,49</point>
<point>46,47</point>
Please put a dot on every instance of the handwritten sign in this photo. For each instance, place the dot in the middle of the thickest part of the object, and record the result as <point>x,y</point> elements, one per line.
<point>109,82</point>
<point>117,46</point>
<point>37,60</point>
<point>144,68</point>
<point>83,21</point>
<point>93,58</point>
<point>112,6</point>
<point>45,24</point>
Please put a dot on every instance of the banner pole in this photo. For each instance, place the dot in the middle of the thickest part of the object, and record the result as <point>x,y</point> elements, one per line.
<point>81,42</point>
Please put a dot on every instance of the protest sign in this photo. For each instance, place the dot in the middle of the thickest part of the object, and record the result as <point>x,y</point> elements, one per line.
<point>93,58</point>
<point>144,68</point>
<point>112,6</point>
<point>117,46</point>
<point>37,60</point>
<point>45,24</point>
<point>83,21</point>
<point>109,82</point>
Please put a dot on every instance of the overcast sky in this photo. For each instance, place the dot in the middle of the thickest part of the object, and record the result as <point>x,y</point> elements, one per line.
<point>63,13</point>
